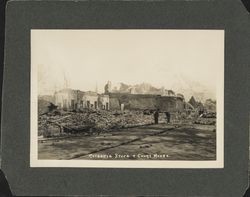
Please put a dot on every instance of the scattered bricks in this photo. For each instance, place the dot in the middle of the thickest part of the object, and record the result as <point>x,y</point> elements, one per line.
<point>100,120</point>
<point>91,121</point>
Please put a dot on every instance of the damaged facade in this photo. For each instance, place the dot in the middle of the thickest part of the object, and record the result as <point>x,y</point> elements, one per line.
<point>69,99</point>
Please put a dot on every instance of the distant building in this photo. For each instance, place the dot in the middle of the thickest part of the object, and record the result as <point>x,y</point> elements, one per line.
<point>143,88</point>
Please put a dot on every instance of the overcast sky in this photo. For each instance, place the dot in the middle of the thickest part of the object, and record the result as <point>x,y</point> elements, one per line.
<point>159,57</point>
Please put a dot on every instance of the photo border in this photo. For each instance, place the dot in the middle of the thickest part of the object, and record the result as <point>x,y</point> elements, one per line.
<point>218,163</point>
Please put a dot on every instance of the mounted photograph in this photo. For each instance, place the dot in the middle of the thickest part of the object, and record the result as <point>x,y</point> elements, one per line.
<point>127,98</point>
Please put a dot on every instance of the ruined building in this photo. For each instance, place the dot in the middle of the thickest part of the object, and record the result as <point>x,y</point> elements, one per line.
<point>128,99</point>
<point>146,101</point>
<point>144,96</point>
<point>69,99</point>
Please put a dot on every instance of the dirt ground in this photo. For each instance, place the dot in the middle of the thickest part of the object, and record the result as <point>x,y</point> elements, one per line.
<point>152,142</point>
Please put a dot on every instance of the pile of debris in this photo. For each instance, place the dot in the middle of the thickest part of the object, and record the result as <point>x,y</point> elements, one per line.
<point>205,121</point>
<point>89,121</point>
<point>208,118</point>
<point>208,115</point>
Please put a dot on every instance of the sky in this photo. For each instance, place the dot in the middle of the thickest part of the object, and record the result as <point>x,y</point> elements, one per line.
<point>89,58</point>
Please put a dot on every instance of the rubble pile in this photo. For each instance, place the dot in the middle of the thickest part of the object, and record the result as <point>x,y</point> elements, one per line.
<point>208,115</point>
<point>205,121</point>
<point>59,122</point>
<point>208,118</point>
<point>91,120</point>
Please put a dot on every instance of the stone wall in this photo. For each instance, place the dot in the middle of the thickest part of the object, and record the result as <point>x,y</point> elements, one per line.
<point>145,101</point>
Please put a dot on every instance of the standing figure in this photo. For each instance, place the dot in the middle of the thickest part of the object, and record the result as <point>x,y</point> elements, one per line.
<point>156,116</point>
<point>168,117</point>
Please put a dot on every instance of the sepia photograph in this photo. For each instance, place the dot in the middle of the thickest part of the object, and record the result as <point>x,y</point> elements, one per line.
<point>149,98</point>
